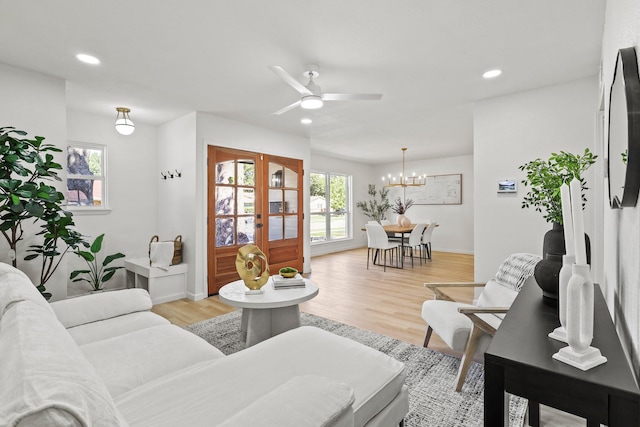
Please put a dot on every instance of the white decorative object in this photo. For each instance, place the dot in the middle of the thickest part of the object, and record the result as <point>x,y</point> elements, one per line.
<point>578,222</point>
<point>579,352</point>
<point>560,333</point>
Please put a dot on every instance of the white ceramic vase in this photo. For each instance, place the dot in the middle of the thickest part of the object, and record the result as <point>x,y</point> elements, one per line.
<point>399,219</point>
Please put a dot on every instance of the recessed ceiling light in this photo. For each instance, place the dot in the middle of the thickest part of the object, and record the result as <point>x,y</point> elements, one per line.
<point>87,59</point>
<point>491,74</point>
<point>306,121</point>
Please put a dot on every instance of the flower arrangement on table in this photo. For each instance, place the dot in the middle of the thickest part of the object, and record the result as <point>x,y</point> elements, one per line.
<point>401,208</point>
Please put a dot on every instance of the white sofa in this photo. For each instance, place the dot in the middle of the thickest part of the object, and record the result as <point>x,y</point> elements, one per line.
<point>106,360</point>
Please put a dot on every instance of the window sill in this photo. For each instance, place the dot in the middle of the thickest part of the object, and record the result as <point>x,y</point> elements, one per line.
<point>82,210</point>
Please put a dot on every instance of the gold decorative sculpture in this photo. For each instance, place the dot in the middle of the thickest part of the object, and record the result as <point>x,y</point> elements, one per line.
<point>252,266</point>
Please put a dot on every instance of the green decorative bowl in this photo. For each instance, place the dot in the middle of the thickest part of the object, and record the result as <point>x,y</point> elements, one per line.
<point>288,272</point>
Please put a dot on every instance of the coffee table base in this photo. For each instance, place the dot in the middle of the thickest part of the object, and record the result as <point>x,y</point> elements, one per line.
<point>259,324</point>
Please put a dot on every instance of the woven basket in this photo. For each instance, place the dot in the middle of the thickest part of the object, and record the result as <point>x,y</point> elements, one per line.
<point>177,249</point>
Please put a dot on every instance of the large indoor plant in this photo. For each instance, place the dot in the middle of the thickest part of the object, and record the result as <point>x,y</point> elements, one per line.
<point>26,167</point>
<point>374,208</point>
<point>544,179</point>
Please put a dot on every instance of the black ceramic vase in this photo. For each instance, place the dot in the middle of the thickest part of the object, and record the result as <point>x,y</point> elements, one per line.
<point>547,271</point>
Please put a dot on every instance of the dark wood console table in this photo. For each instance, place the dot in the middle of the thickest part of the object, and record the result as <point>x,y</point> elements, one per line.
<point>519,361</point>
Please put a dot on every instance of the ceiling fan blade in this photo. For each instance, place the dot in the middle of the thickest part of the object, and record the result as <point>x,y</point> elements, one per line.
<point>288,78</point>
<point>351,96</point>
<point>287,108</point>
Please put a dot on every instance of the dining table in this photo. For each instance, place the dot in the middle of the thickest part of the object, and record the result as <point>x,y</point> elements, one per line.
<point>393,229</point>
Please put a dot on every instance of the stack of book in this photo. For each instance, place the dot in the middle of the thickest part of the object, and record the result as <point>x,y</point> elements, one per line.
<point>280,282</point>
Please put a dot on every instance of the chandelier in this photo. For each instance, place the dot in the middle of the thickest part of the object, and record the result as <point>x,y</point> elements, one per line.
<point>404,180</point>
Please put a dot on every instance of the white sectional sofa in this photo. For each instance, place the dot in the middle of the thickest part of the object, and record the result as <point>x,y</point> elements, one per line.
<point>106,360</point>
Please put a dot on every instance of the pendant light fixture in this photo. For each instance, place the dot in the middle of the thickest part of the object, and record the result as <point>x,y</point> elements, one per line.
<point>404,181</point>
<point>124,125</point>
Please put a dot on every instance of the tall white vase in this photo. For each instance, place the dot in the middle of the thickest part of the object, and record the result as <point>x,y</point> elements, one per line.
<point>579,322</point>
<point>560,333</point>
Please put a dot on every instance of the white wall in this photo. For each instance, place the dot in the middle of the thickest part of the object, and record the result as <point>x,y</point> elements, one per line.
<point>361,178</point>
<point>622,227</point>
<point>132,191</point>
<point>512,130</point>
<point>34,103</point>
<point>455,233</point>
<point>177,197</point>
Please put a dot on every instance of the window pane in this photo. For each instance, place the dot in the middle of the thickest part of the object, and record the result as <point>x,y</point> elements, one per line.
<point>318,228</point>
<point>246,172</point>
<point>275,228</point>
<point>246,201</point>
<point>224,201</point>
<point>246,230</point>
<point>84,192</point>
<point>290,178</point>
<point>225,232</point>
<point>338,192</point>
<point>225,172</point>
<point>291,201</point>
<point>86,162</point>
<point>275,201</point>
<point>338,226</point>
<point>290,227</point>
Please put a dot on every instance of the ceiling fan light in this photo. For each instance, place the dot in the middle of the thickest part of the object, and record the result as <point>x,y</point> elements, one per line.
<point>124,125</point>
<point>311,102</point>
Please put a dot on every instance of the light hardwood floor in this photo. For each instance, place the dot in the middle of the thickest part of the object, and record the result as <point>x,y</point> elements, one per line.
<point>388,303</point>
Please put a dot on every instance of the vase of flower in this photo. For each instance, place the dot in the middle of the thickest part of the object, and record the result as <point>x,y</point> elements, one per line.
<point>401,208</point>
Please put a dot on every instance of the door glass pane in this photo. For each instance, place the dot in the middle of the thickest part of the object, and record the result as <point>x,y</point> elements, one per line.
<point>225,203</point>
<point>291,201</point>
<point>290,227</point>
<point>276,175</point>
<point>246,230</point>
<point>225,172</point>
<point>275,201</point>
<point>246,172</point>
<point>225,232</point>
<point>275,228</point>
<point>246,201</point>
<point>338,225</point>
<point>290,178</point>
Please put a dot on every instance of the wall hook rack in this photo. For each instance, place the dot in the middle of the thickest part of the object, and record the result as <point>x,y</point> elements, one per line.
<point>163,175</point>
<point>178,173</point>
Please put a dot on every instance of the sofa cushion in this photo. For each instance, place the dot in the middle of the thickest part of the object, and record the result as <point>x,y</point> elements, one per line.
<point>44,375</point>
<point>15,286</point>
<point>127,361</point>
<point>109,328</point>
<point>375,378</point>
<point>304,401</point>
<point>100,306</point>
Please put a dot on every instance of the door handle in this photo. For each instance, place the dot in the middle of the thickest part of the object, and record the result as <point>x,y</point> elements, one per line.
<point>259,225</point>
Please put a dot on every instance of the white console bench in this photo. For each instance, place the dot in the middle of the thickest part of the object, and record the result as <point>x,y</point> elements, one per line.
<point>163,285</point>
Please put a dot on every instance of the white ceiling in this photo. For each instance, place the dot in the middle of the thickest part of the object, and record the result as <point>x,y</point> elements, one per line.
<point>165,59</point>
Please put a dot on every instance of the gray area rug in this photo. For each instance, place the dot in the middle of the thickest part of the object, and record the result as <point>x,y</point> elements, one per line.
<point>433,400</point>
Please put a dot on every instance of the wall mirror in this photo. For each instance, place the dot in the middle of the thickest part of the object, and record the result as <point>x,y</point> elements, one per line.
<point>623,143</point>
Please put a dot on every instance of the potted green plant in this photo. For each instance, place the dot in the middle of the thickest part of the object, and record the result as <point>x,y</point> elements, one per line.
<point>374,208</point>
<point>544,179</point>
<point>98,272</point>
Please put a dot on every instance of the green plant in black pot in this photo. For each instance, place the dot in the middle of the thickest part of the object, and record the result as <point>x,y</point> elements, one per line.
<point>98,272</point>
<point>544,180</point>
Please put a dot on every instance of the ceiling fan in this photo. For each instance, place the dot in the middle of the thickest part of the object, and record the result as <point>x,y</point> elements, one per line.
<point>312,96</point>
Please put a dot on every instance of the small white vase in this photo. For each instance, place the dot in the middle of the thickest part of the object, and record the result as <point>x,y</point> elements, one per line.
<point>400,219</point>
<point>405,222</point>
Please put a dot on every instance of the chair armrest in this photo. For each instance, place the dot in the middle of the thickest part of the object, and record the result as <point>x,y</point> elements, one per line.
<point>439,295</point>
<point>483,310</point>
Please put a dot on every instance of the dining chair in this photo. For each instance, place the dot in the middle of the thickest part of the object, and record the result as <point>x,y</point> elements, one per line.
<point>426,239</point>
<point>381,243</point>
<point>371,243</point>
<point>414,241</point>
<point>467,327</point>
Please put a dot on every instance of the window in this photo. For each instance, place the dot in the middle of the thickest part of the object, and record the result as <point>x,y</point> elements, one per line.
<point>330,207</point>
<point>86,175</point>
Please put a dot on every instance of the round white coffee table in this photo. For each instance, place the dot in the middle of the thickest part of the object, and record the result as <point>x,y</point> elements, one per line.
<point>270,313</point>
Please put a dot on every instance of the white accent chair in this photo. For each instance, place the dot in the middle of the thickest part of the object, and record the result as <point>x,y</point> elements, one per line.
<point>379,241</point>
<point>426,239</point>
<point>414,241</point>
<point>467,327</point>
